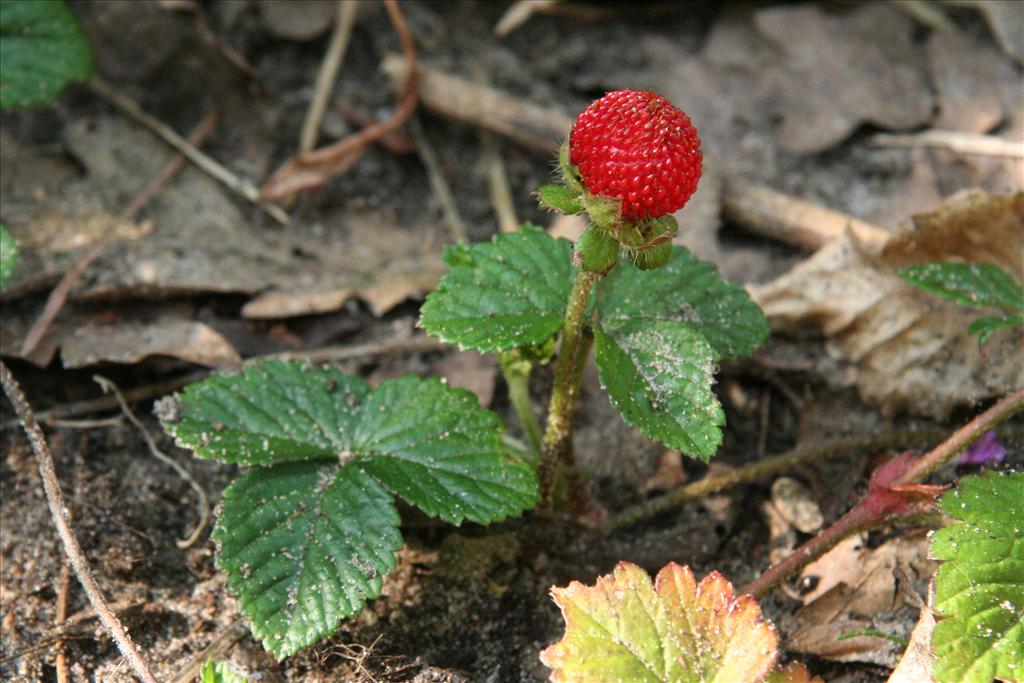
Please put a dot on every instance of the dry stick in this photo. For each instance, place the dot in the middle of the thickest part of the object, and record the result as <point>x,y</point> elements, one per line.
<point>202,502</point>
<point>485,107</point>
<point>498,186</point>
<point>863,517</point>
<point>771,465</point>
<point>313,169</point>
<point>59,296</point>
<point>58,511</point>
<point>956,141</point>
<point>240,186</point>
<point>437,181</point>
<point>60,657</point>
<point>343,23</point>
<point>421,344</point>
<point>791,220</point>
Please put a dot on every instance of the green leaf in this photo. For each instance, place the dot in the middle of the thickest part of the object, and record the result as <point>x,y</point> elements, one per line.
<point>501,294</point>
<point>986,326</point>
<point>674,631</point>
<point>979,589</point>
<point>220,672</point>
<point>8,255</point>
<point>968,284</point>
<point>273,412</point>
<point>42,48</point>
<point>658,373</point>
<point>438,449</point>
<point>559,198</point>
<point>304,545</point>
<point>308,539</point>
<point>431,444</point>
<point>688,291</point>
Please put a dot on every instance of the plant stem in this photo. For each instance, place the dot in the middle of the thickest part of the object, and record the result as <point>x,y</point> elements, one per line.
<point>59,512</point>
<point>517,377</point>
<point>865,517</point>
<point>558,435</point>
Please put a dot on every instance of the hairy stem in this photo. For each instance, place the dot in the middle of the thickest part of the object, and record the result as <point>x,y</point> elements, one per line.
<point>59,512</point>
<point>558,435</point>
<point>864,517</point>
<point>517,377</point>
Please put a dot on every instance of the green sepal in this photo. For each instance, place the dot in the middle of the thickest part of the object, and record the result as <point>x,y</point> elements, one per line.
<point>559,198</point>
<point>651,258</point>
<point>596,250</point>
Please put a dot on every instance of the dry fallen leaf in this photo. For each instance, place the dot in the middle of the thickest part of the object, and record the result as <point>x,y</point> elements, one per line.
<point>906,350</point>
<point>916,663</point>
<point>122,342</point>
<point>841,70</point>
<point>300,20</point>
<point>797,506</point>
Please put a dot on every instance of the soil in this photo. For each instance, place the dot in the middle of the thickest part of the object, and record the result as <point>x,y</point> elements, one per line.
<point>468,603</point>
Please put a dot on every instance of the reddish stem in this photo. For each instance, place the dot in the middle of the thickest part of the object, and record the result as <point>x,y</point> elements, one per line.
<point>887,501</point>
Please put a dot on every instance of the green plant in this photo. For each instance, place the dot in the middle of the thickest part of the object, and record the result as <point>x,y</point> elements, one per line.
<point>42,48</point>
<point>220,672</point>
<point>8,255</point>
<point>307,534</point>
<point>979,589</point>
<point>979,285</point>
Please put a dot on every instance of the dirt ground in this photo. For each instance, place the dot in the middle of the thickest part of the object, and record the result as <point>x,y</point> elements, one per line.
<point>788,96</point>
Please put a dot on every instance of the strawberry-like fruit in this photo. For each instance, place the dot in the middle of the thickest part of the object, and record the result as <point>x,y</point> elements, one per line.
<point>634,146</point>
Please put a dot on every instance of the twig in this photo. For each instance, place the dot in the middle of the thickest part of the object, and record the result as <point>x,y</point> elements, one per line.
<point>498,185</point>
<point>485,107</point>
<point>794,221</point>
<point>864,516</point>
<point>60,519</point>
<point>956,141</point>
<point>59,296</point>
<point>240,186</point>
<point>220,644</point>
<point>437,180</point>
<point>769,466</point>
<point>202,502</point>
<point>343,23</point>
<point>60,657</point>
<point>518,14</point>
<point>312,169</point>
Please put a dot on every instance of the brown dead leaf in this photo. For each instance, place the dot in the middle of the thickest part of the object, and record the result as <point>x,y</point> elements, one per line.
<point>916,664</point>
<point>301,20</point>
<point>121,342</point>
<point>857,590</point>
<point>669,475</point>
<point>907,350</point>
<point>1006,19</point>
<point>966,74</point>
<point>782,538</point>
<point>841,70</point>
<point>469,370</point>
<point>797,506</point>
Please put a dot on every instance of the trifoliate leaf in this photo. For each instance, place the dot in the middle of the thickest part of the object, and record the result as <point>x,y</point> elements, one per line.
<point>8,255</point>
<point>690,291</point>
<point>304,545</point>
<point>968,284</point>
<point>431,444</point>
<point>984,327</point>
<point>220,672</point>
<point>676,630</point>
<point>41,49</point>
<point>658,373</point>
<point>501,294</point>
<point>308,539</point>
<point>559,198</point>
<point>979,588</point>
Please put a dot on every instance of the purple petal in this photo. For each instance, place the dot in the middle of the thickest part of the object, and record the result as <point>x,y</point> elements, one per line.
<point>983,451</point>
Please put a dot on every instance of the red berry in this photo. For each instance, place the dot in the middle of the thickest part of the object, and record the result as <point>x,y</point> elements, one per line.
<point>633,145</point>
